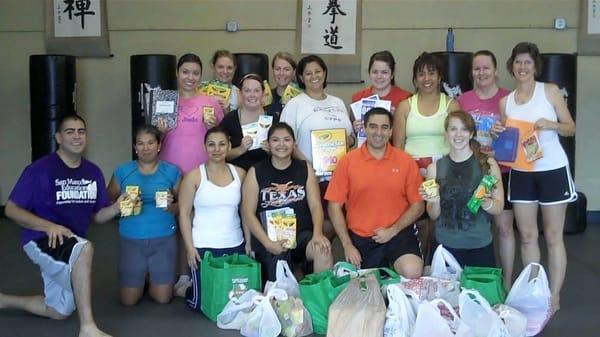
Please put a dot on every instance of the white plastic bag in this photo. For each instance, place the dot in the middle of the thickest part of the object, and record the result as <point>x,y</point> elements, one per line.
<point>430,322</point>
<point>263,321</point>
<point>427,288</point>
<point>531,296</point>
<point>515,321</point>
<point>444,265</point>
<point>400,316</point>
<point>294,318</point>
<point>285,279</point>
<point>476,312</point>
<point>237,311</point>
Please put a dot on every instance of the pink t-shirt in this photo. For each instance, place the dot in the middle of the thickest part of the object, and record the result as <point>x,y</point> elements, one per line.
<point>183,146</point>
<point>485,112</point>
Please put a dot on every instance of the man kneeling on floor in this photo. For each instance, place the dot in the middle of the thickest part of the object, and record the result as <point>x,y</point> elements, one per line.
<point>379,187</point>
<point>54,201</point>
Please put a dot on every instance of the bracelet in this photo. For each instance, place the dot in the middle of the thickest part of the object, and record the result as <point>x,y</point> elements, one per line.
<point>490,206</point>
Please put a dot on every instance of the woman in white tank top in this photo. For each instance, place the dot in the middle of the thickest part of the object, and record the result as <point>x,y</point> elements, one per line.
<point>543,105</point>
<point>212,194</point>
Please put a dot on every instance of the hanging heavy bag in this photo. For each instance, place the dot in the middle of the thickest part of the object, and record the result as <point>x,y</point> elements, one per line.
<point>487,281</point>
<point>318,291</point>
<point>359,311</point>
<point>226,277</point>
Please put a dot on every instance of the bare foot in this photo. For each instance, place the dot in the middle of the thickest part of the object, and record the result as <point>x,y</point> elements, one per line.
<point>92,331</point>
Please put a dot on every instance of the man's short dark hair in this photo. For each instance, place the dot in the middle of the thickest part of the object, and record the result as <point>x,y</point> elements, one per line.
<point>69,117</point>
<point>378,111</point>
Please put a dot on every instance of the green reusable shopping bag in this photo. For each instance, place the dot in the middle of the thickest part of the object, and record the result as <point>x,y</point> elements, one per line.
<point>487,281</point>
<point>318,291</point>
<point>224,277</point>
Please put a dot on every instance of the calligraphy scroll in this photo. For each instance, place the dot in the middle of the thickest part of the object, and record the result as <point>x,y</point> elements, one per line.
<point>331,29</point>
<point>77,27</point>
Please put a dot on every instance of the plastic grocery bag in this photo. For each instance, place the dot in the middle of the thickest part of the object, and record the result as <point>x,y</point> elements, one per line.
<point>294,318</point>
<point>515,321</point>
<point>444,265</point>
<point>359,310</point>
<point>286,280</point>
<point>531,296</point>
<point>400,316</point>
<point>237,311</point>
<point>476,312</point>
<point>428,288</point>
<point>263,321</point>
<point>430,323</point>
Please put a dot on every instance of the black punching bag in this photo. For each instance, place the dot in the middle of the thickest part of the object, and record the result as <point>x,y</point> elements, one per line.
<point>248,63</point>
<point>52,96</point>
<point>153,71</point>
<point>561,69</point>
<point>456,68</point>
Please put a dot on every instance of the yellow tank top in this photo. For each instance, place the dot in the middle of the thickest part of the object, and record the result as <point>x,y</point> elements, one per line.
<point>425,135</point>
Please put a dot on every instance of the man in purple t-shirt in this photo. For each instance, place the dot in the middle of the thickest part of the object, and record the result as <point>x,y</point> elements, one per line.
<point>54,200</point>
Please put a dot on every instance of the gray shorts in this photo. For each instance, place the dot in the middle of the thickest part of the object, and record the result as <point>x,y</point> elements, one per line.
<point>56,265</point>
<point>157,257</point>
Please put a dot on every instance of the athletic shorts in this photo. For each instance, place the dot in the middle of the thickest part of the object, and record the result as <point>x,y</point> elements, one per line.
<point>296,256</point>
<point>56,265</point>
<point>377,255</point>
<point>157,257</point>
<point>544,187</point>
<point>505,178</point>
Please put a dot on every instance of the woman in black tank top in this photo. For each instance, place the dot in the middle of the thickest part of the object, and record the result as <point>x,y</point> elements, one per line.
<point>276,183</point>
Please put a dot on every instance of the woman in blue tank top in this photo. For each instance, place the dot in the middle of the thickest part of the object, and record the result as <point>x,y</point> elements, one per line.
<point>465,234</point>
<point>147,243</point>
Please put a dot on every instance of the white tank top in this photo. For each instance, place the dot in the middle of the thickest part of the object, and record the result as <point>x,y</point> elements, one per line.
<point>216,213</point>
<point>539,107</point>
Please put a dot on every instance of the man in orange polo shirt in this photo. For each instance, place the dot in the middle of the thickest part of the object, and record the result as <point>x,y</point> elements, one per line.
<point>379,186</point>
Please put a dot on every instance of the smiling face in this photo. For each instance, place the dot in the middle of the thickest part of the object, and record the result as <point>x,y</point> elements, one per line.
<point>379,130</point>
<point>146,147</point>
<point>72,138</point>
<point>483,71</point>
<point>523,67</point>
<point>188,76</point>
<point>252,93</point>
<point>313,77</point>
<point>283,72</point>
<point>428,80</point>
<point>381,76</point>
<point>224,69</point>
<point>458,134</point>
<point>217,146</point>
<point>281,143</point>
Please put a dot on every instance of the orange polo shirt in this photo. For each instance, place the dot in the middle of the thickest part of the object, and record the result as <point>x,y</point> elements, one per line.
<point>376,192</point>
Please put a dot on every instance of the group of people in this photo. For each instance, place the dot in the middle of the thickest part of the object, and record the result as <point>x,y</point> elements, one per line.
<point>219,186</point>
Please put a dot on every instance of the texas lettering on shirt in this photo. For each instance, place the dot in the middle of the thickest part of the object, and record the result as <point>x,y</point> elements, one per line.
<point>278,195</point>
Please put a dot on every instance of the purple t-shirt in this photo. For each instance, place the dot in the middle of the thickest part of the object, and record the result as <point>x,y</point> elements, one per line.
<point>66,196</point>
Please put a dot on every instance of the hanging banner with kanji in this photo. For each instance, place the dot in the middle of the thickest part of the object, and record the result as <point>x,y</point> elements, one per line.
<point>329,27</point>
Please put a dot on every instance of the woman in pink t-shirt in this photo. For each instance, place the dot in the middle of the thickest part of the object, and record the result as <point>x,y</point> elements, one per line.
<point>183,145</point>
<point>482,104</point>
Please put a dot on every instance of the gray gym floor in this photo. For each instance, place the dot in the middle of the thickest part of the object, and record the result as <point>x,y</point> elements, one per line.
<point>580,298</point>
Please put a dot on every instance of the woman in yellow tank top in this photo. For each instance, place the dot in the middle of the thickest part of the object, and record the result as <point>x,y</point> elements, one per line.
<point>419,120</point>
<point>419,127</point>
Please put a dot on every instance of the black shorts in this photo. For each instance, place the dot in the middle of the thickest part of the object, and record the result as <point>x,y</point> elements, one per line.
<point>377,255</point>
<point>296,256</point>
<point>544,187</point>
<point>505,178</point>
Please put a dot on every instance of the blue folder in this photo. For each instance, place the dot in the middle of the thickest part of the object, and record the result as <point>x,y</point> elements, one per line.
<point>506,145</point>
